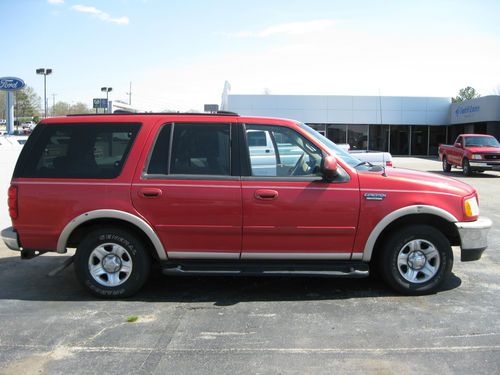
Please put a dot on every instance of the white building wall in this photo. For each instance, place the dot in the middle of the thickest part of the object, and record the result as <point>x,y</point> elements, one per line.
<point>345,109</point>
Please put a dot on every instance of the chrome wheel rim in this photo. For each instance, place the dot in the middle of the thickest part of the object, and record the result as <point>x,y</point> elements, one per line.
<point>418,261</point>
<point>445,164</point>
<point>110,264</point>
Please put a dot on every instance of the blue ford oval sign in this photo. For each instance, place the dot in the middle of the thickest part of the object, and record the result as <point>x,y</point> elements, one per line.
<point>11,83</point>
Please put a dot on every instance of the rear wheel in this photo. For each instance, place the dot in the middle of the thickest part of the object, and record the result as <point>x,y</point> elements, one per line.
<point>466,167</point>
<point>416,260</point>
<point>112,263</point>
<point>446,165</point>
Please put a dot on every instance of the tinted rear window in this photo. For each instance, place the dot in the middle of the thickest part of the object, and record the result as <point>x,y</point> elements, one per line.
<point>76,151</point>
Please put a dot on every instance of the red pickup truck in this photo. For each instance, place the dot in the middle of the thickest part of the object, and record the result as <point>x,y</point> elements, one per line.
<point>186,192</point>
<point>472,153</point>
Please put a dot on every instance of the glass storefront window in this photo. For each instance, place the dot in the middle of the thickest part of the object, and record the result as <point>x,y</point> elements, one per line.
<point>437,137</point>
<point>419,140</point>
<point>357,137</point>
<point>379,138</point>
<point>400,139</point>
<point>320,128</point>
<point>337,133</point>
<point>453,132</point>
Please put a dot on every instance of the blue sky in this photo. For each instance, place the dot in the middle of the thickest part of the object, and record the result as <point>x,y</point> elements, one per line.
<point>177,54</point>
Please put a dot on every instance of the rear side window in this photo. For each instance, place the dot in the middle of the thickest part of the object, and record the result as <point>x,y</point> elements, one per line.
<point>76,151</point>
<point>192,149</point>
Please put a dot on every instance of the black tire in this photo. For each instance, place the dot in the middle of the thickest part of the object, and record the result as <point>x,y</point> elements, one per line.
<point>131,253</point>
<point>394,273</point>
<point>446,165</point>
<point>466,167</point>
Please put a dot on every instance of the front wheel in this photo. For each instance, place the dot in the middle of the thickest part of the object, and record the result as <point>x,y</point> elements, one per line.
<point>112,263</point>
<point>446,165</point>
<point>466,167</point>
<point>416,260</point>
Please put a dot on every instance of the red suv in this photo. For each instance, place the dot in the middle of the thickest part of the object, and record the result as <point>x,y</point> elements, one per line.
<point>224,194</point>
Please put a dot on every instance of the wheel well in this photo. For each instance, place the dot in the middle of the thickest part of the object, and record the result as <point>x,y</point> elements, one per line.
<point>79,233</point>
<point>444,226</point>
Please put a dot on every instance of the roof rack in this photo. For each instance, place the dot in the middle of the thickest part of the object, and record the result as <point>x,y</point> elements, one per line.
<point>125,112</point>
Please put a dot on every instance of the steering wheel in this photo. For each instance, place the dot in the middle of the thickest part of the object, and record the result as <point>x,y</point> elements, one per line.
<point>297,165</point>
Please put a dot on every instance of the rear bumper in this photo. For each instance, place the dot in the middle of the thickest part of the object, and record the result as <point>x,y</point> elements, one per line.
<point>473,238</point>
<point>11,239</point>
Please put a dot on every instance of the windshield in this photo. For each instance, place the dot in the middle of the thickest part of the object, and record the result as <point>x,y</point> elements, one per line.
<point>344,155</point>
<point>481,141</point>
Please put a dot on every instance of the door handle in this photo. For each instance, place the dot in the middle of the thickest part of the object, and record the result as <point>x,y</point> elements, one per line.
<point>150,193</point>
<point>266,194</point>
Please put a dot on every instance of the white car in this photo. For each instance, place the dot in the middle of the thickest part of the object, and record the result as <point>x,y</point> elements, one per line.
<point>374,157</point>
<point>15,142</point>
<point>263,153</point>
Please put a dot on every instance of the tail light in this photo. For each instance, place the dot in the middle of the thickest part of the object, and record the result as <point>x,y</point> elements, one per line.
<point>388,163</point>
<point>12,202</point>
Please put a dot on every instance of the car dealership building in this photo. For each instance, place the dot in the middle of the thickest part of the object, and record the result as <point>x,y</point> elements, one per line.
<point>398,124</point>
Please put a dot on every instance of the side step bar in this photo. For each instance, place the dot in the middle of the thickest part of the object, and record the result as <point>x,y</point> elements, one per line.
<point>267,268</point>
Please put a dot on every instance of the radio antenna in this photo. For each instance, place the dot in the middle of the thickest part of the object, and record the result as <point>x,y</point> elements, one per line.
<point>381,124</point>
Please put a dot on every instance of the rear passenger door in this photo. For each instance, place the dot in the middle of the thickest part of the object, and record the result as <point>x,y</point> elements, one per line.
<point>190,190</point>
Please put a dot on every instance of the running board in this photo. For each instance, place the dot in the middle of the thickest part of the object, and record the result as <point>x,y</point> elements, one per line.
<point>267,268</point>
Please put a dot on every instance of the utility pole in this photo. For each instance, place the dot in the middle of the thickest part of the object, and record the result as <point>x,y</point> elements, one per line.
<point>53,103</point>
<point>129,93</point>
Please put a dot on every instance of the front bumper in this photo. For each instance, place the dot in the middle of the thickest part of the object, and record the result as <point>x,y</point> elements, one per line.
<point>485,164</point>
<point>473,238</point>
<point>11,239</point>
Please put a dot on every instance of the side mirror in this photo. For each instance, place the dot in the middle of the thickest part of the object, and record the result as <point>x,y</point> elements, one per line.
<point>330,168</point>
<point>458,145</point>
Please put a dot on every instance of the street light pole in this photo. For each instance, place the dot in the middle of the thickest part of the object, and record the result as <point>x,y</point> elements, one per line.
<point>107,90</point>
<point>45,72</point>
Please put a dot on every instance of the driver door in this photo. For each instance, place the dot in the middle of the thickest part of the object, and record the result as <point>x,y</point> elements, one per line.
<point>293,213</point>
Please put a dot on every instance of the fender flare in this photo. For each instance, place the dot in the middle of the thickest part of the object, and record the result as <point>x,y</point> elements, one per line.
<point>390,218</point>
<point>111,214</point>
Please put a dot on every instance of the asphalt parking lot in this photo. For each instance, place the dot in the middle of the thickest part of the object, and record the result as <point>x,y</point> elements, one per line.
<point>256,325</point>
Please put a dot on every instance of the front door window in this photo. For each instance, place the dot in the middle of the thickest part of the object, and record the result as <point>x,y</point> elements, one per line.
<point>281,152</point>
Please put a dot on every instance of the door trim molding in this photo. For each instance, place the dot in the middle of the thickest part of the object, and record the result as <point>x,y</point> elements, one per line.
<point>202,255</point>
<point>295,256</point>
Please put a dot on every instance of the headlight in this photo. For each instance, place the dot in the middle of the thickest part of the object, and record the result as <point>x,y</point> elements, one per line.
<point>471,208</point>
<point>476,157</point>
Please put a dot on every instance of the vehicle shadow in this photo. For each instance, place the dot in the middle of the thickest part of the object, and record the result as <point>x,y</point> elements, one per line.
<point>28,280</point>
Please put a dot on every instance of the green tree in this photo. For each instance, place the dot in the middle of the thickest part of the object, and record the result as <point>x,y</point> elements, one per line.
<point>63,109</point>
<point>3,95</point>
<point>466,93</point>
<point>60,109</point>
<point>27,103</point>
<point>80,108</point>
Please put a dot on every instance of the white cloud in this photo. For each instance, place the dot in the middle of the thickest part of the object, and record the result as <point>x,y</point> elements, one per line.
<point>101,14</point>
<point>293,28</point>
<point>337,62</point>
<point>55,2</point>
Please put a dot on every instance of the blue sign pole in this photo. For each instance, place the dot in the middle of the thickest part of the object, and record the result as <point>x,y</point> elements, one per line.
<point>9,103</point>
